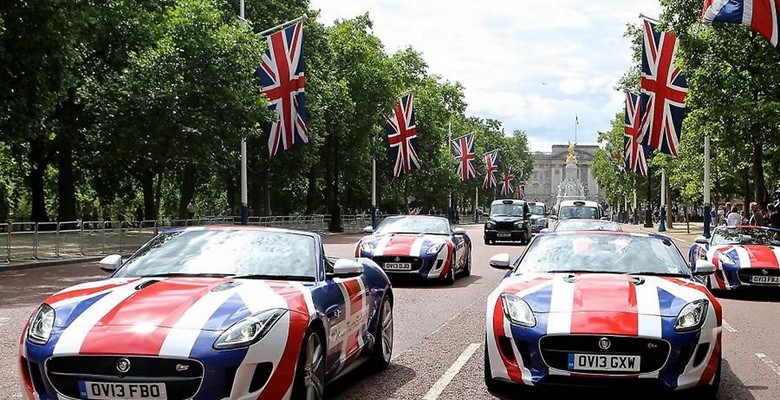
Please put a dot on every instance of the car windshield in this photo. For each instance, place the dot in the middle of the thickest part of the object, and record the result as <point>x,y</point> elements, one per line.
<point>537,210</point>
<point>586,225</point>
<point>603,252</point>
<point>506,210</point>
<point>746,235</point>
<point>225,252</point>
<point>586,212</point>
<point>429,225</point>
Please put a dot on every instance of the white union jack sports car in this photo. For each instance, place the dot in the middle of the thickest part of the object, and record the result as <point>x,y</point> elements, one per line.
<point>211,313</point>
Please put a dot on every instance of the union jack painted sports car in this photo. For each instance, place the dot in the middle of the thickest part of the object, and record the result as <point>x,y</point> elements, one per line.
<point>211,313</point>
<point>418,246</point>
<point>603,309</point>
<point>743,256</point>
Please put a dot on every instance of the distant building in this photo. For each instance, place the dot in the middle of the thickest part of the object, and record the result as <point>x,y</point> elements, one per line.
<point>548,173</point>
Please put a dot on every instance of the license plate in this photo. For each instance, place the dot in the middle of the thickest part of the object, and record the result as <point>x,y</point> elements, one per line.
<point>603,362</point>
<point>504,234</point>
<point>121,390</point>
<point>393,266</point>
<point>764,279</point>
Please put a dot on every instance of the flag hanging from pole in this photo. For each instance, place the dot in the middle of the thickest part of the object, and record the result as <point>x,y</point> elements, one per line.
<point>521,189</point>
<point>463,150</point>
<point>506,183</point>
<point>634,154</point>
<point>761,16</point>
<point>664,89</point>
<point>402,137</point>
<point>491,170</point>
<point>281,79</point>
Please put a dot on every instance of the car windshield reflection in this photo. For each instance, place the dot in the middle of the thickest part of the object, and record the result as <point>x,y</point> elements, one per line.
<point>746,235</point>
<point>416,224</point>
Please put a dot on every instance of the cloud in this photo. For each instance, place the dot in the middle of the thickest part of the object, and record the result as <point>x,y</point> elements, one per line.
<point>531,65</point>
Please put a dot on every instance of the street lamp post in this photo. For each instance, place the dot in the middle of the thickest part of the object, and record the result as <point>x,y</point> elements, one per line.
<point>244,190</point>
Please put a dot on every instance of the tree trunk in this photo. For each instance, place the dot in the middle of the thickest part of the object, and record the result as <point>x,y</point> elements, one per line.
<point>147,186</point>
<point>38,163</point>
<point>747,194</point>
<point>67,209</point>
<point>157,197</point>
<point>758,172</point>
<point>311,192</point>
<point>668,201</point>
<point>187,190</point>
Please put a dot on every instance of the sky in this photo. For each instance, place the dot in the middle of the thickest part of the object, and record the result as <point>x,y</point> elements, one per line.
<point>533,65</point>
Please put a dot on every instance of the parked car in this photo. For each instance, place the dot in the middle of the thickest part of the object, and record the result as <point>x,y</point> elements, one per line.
<point>509,220</point>
<point>603,309</point>
<point>211,313</point>
<point>743,256</point>
<point>418,246</point>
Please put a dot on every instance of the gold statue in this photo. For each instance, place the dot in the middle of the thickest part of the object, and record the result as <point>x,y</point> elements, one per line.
<point>571,158</point>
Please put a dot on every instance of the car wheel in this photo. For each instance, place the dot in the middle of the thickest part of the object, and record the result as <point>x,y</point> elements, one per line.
<point>310,373</point>
<point>491,383</point>
<point>450,278</point>
<point>383,349</point>
<point>467,267</point>
<point>487,241</point>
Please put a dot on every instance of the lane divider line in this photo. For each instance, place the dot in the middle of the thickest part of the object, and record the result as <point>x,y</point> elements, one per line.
<point>450,373</point>
<point>769,362</point>
<point>727,326</point>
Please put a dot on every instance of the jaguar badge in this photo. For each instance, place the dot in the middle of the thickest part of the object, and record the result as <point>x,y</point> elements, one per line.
<point>122,365</point>
<point>604,343</point>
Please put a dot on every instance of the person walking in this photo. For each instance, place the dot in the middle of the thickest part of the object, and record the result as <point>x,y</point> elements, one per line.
<point>756,217</point>
<point>774,216</point>
<point>734,218</point>
<point>190,210</point>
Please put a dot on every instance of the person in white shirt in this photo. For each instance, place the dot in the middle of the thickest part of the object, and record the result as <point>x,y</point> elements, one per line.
<point>734,218</point>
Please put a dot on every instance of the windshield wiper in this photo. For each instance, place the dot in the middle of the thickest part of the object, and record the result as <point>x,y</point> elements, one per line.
<point>276,277</point>
<point>185,274</point>
<point>654,273</point>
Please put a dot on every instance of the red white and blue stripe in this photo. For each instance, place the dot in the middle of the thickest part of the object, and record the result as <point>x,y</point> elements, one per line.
<point>463,150</point>
<point>401,129</point>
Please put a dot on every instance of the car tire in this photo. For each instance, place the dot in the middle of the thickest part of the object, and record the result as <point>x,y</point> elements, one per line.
<point>383,349</point>
<point>449,279</point>
<point>492,384</point>
<point>487,241</point>
<point>467,267</point>
<point>310,372</point>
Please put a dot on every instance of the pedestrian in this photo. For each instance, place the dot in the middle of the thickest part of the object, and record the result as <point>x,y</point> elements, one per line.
<point>756,217</point>
<point>774,216</point>
<point>733,218</point>
<point>726,211</point>
<point>190,210</point>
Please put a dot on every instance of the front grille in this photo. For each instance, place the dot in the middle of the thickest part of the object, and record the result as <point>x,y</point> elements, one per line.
<point>505,225</point>
<point>745,274</point>
<point>416,262</point>
<point>653,352</point>
<point>181,377</point>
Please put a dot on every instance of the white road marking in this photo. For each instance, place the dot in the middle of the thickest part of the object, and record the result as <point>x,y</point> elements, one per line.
<point>445,379</point>
<point>3,320</point>
<point>769,362</point>
<point>727,326</point>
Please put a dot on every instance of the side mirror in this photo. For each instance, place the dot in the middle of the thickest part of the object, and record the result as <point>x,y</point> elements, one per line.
<point>500,261</point>
<point>545,230</point>
<point>368,229</point>
<point>701,240</point>
<point>110,263</point>
<point>703,268</point>
<point>346,268</point>
<point>459,231</point>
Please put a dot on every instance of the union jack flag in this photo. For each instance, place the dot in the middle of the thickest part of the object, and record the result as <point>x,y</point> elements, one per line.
<point>463,150</point>
<point>281,79</point>
<point>634,154</point>
<point>760,15</point>
<point>506,183</point>
<point>402,137</point>
<point>491,168</point>
<point>663,92</point>
<point>521,189</point>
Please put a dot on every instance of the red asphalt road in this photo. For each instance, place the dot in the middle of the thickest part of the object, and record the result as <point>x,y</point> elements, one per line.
<point>439,333</point>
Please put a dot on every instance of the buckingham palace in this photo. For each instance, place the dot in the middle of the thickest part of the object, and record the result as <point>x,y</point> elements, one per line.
<point>548,172</point>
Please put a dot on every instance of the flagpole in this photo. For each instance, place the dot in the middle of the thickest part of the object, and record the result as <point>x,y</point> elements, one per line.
<point>373,188</point>
<point>280,26</point>
<point>707,205</point>
<point>476,204</point>
<point>576,122</point>
<point>662,216</point>
<point>244,190</point>
<point>450,213</point>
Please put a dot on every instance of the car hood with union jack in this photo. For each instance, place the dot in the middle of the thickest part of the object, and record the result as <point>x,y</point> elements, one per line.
<point>745,256</point>
<point>402,244</point>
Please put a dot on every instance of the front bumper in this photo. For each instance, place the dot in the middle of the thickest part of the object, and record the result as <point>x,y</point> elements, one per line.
<point>733,277</point>
<point>508,235</point>
<point>427,267</point>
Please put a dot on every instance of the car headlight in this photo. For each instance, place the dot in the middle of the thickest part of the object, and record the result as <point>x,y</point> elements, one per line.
<point>725,259</point>
<point>366,248</point>
<point>517,310</point>
<point>691,316</point>
<point>41,325</point>
<point>249,330</point>
<point>434,249</point>
<point>490,224</point>
<point>519,224</point>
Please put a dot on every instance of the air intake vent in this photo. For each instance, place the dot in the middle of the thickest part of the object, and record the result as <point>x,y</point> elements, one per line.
<point>146,284</point>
